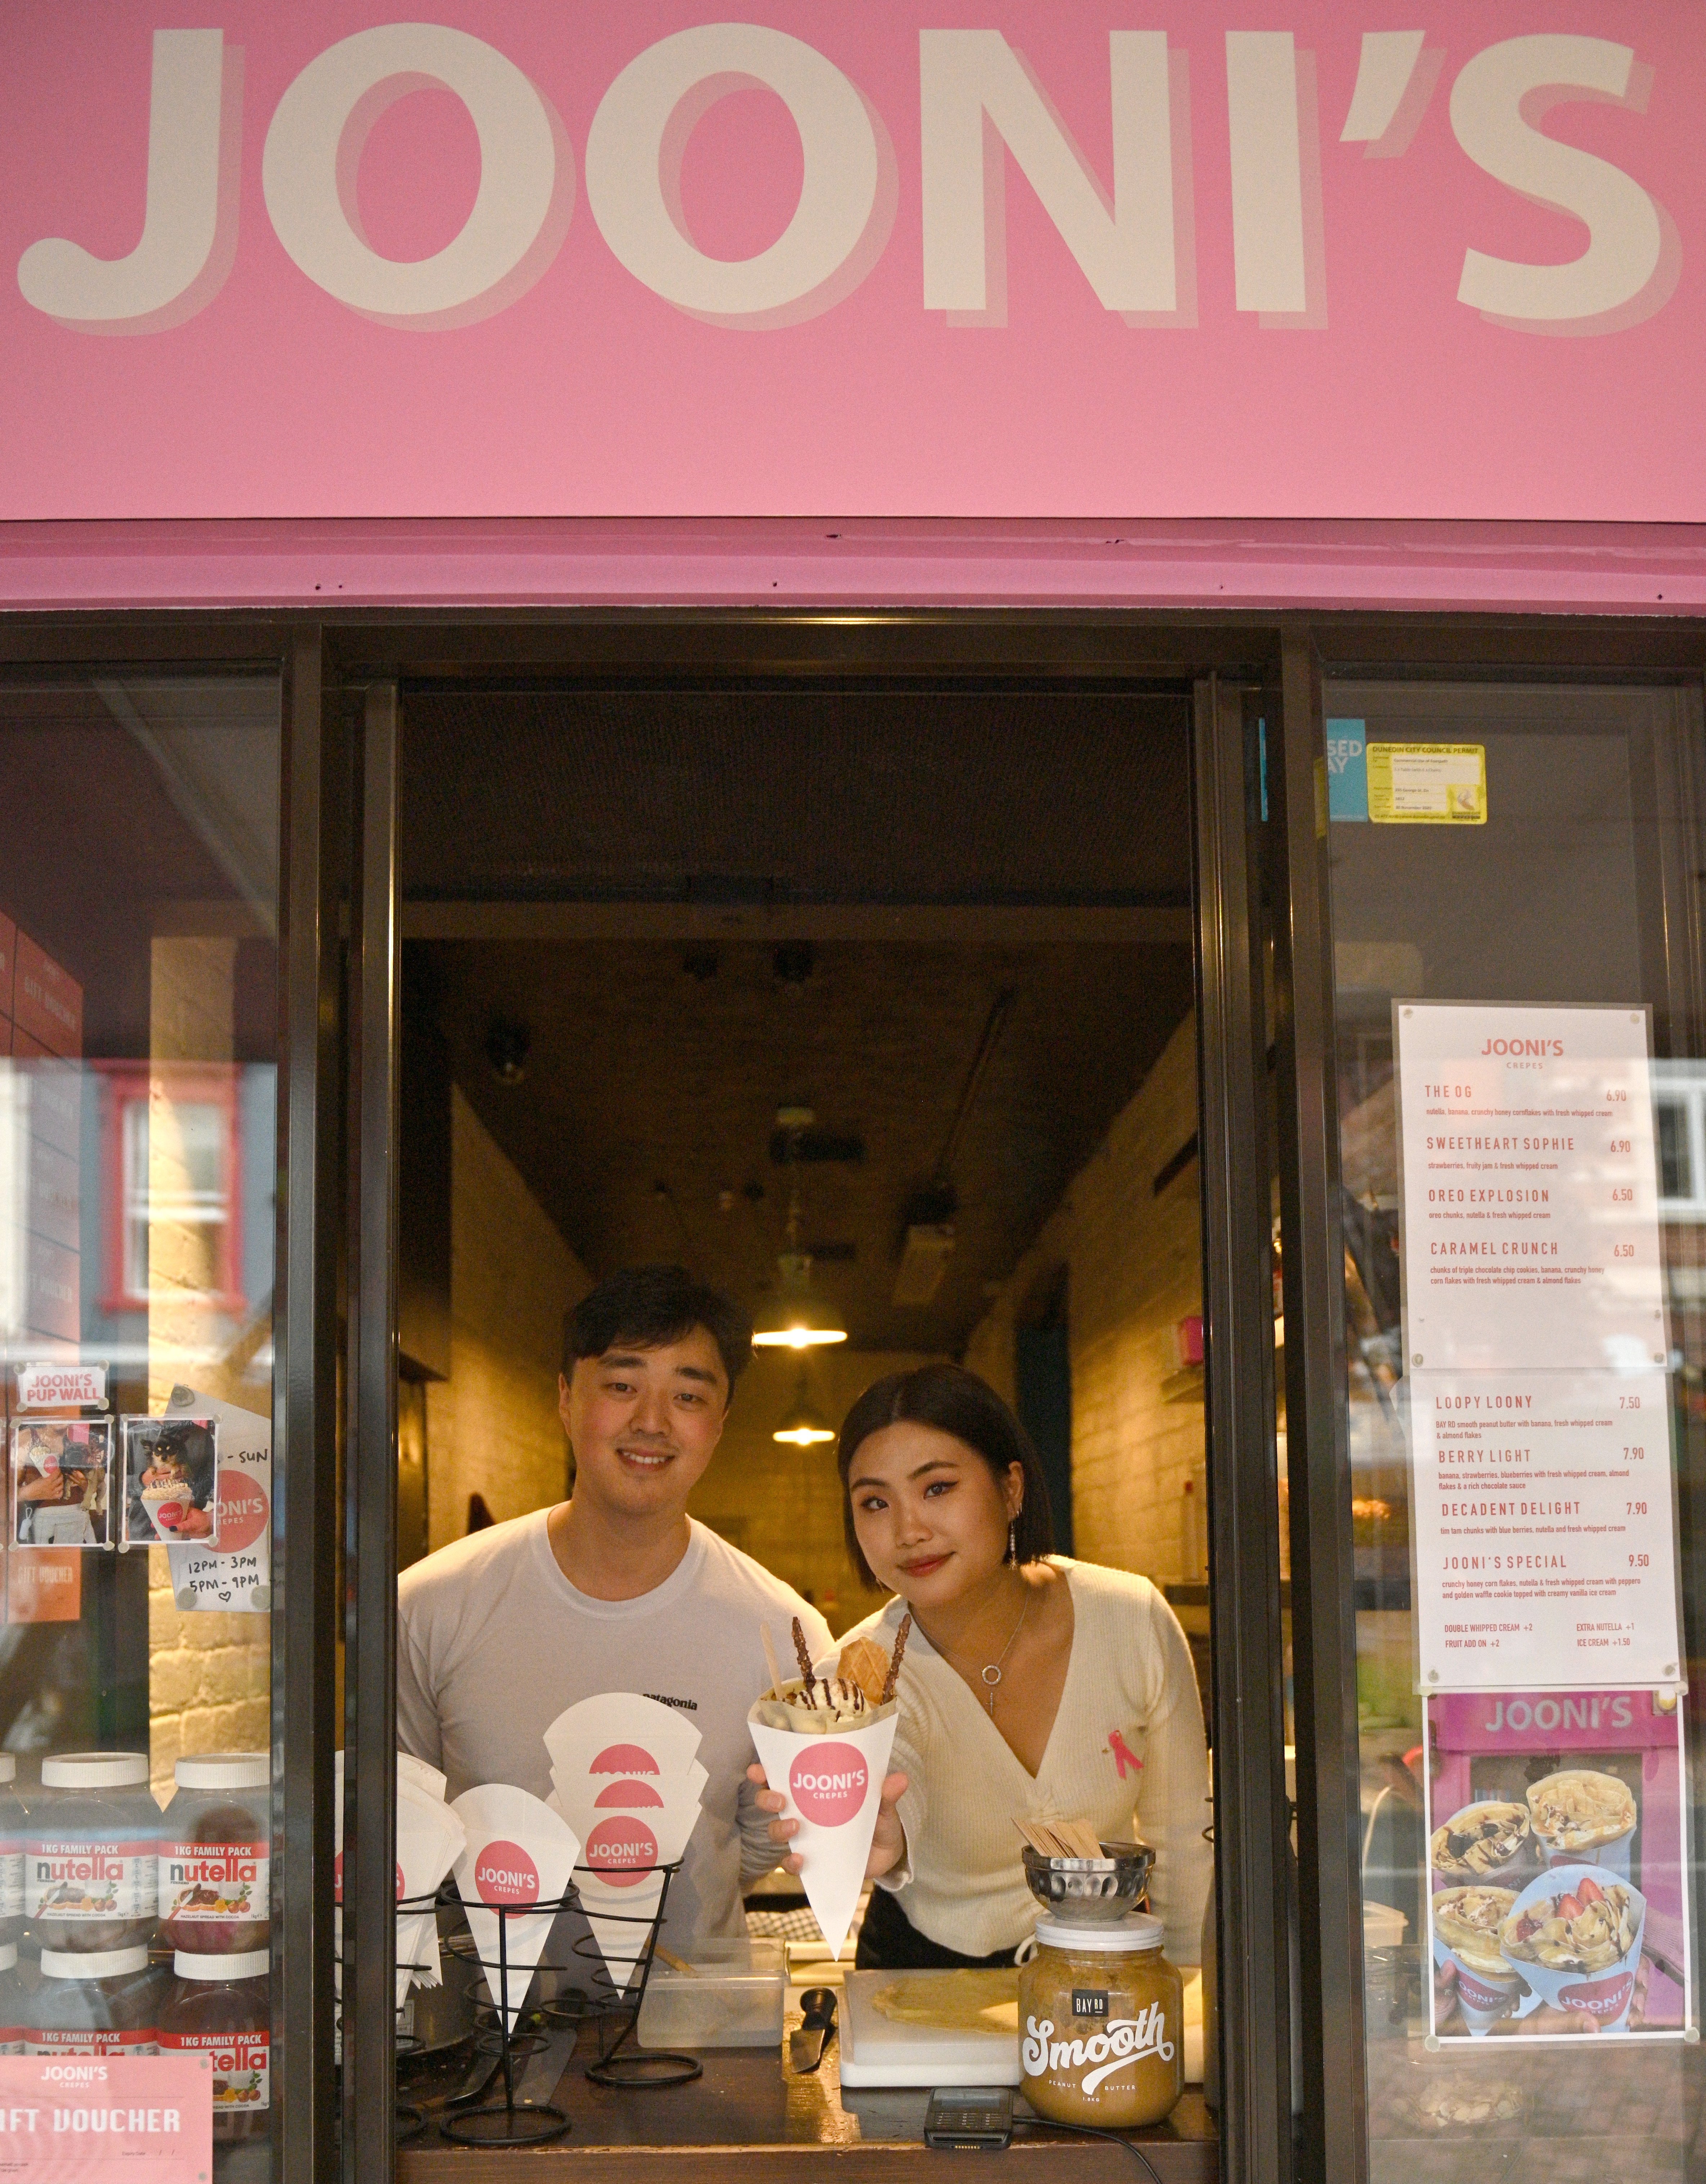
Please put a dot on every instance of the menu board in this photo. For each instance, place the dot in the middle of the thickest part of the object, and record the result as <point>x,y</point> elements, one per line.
<point>1531,1190</point>
<point>1543,1519</point>
<point>1534,1344</point>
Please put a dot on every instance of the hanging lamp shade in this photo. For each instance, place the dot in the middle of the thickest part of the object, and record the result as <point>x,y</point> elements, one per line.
<point>797,1318</point>
<point>804,1427</point>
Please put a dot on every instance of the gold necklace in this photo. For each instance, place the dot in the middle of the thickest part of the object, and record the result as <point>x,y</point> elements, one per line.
<point>990,1677</point>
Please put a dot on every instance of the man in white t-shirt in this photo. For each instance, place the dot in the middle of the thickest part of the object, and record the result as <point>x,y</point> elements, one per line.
<point>616,1589</point>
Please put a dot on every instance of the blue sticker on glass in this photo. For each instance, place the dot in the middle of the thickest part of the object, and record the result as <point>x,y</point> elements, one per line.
<point>1348,770</point>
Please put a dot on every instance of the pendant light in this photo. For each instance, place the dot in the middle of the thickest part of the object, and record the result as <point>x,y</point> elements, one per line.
<point>803,1427</point>
<point>798,1318</point>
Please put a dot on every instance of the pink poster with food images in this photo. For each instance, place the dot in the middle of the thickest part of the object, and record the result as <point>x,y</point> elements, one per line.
<point>107,2120</point>
<point>1051,258</point>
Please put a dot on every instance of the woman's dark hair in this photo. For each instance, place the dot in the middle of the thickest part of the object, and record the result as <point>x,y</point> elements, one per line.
<point>954,1402</point>
<point>646,1307</point>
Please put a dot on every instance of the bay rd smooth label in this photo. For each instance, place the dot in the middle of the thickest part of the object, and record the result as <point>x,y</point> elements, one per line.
<point>828,1781</point>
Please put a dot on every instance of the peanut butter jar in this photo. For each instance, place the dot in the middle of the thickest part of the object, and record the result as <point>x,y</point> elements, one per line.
<point>1101,2024</point>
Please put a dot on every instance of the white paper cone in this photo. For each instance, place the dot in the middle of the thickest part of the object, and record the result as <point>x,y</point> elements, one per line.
<point>833,1786</point>
<point>519,1851</point>
<point>411,1769</point>
<point>620,1733</point>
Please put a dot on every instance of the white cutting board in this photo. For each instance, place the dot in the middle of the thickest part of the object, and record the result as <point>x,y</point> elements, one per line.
<point>875,2052</point>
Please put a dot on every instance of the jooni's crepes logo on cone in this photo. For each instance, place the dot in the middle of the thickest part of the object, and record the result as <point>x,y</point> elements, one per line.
<point>828,1783</point>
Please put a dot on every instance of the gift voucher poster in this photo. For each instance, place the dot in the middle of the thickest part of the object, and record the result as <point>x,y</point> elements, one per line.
<point>1530,1202</point>
<point>1557,1870</point>
<point>107,2118</point>
<point>1543,1528</point>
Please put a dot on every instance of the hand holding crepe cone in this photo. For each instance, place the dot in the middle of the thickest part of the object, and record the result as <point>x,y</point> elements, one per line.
<point>624,1776</point>
<point>518,1852</point>
<point>824,1746</point>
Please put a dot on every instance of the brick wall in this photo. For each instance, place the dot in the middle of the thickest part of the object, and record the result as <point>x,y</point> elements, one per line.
<point>209,1673</point>
<point>492,1428</point>
<point>1135,1269</point>
<point>780,1504</point>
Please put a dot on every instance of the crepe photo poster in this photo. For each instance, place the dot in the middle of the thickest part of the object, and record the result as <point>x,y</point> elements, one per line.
<point>230,1570</point>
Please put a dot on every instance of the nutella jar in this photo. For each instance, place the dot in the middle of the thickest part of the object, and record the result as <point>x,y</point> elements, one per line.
<point>13,2004</point>
<point>90,1848</point>
<point>12,1824</point>
<point>95,2002</point>
<point>1101,2024</point>
<point>216,1896</point>
<point>219,2009</point>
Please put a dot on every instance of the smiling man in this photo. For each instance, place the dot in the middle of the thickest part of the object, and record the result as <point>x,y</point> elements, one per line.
<point>618,1589</point>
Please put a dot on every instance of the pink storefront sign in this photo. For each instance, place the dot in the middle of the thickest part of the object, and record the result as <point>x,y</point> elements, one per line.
<point>1046,259</point>
<point>106,2118</point>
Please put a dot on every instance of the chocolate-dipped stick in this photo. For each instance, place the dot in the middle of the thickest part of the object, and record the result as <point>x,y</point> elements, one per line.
<point>894,1674</point>
<point>804,1659</point>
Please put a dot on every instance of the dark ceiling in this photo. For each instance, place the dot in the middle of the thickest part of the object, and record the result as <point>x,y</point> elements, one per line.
<point>644,1119</point>
<point>615,870</point>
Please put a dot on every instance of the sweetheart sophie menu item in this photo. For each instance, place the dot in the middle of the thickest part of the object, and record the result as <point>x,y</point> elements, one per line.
<point>1535,1348</point>
<point>625,1778</point>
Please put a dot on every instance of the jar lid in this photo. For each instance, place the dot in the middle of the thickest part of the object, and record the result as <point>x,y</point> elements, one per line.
<point>235,1964</point>
<point>1106,1937</point>
<point>9,1768</point>
<point>95,1770</point>
<point>93,1964</point>
<point>224,1770</point>
<point>9,1955</point>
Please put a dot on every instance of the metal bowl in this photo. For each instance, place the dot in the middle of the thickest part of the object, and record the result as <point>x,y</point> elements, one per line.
<point>1087,1891</point>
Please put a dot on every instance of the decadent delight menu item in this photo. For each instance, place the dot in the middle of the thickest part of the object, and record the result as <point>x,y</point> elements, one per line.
<point>1531,1195</point>
<point>1543,1522</point>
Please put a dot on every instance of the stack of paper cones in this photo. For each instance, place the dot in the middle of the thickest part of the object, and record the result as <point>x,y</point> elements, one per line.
<point>518,1853</point>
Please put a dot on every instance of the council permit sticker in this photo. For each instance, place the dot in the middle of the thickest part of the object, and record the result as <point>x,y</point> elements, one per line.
<point>1427,785</point>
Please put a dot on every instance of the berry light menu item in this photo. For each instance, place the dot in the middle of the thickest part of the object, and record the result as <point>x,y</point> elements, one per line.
<point>1530,1188</point>
<point>1542,1524</point>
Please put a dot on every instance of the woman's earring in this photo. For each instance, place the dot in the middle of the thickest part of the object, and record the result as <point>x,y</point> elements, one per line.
<point>1013,1539</point>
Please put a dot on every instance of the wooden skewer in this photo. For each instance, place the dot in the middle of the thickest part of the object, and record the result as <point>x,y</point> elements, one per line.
<point>770,1661</point>
<point>677,1964</point>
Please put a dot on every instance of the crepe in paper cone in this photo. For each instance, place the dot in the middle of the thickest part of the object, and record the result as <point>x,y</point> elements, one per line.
<point>832,1783</point>
<point>519,1853</point>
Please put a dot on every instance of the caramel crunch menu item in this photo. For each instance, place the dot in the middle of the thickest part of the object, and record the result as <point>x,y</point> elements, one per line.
<point>1481,1839</point>
<point>1585,1928</point>
<point>1470,1922</point>
<point>1580,1809</point>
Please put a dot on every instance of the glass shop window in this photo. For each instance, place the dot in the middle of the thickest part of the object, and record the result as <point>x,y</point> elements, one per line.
<point>138,1006</point>
<point>1515,903</point>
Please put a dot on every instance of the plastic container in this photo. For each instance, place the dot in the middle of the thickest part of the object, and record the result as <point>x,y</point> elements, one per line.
<point>91,1852</point>
<point>95,2002</point>
<point>1101,2024</point>
<point>221,2006</point>
<point>732,1997</point>
<point>13,2004</point>
<point>12,1821</point>
<point>214,1880</point>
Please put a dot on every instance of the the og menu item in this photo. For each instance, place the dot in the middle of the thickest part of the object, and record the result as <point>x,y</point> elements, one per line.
<point>1584,1815</point>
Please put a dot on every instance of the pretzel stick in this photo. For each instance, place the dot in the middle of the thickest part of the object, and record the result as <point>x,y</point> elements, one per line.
<point>894,1674</point>
<point>770,1661</point>
<point>805,1660</point>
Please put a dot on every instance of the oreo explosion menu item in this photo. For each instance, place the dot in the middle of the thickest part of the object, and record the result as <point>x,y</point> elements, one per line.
<point>1483,1839</point>
<point>518,1854</point>
<point>625,1778</point>
<point>824,1743</point>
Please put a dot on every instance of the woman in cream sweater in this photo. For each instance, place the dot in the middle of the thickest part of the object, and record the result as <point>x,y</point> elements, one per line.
<point>1033,1685</point>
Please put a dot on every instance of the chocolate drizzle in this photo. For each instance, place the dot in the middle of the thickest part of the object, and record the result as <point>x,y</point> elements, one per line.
<point>894,1676</point>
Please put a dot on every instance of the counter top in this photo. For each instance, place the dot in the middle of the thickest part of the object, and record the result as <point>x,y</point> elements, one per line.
<point>749,2117</point>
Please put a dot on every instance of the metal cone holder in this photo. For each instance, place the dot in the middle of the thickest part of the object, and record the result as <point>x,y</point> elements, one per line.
<point>475,2120</point>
